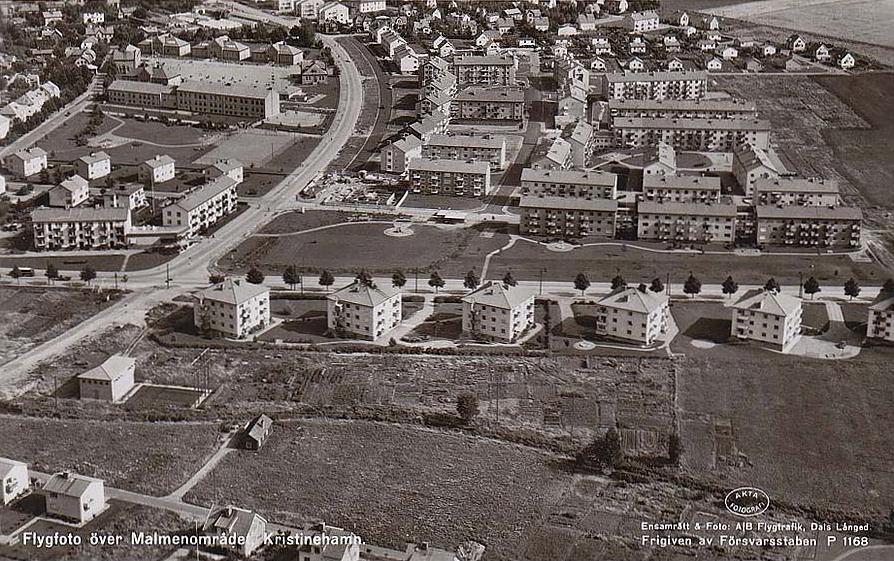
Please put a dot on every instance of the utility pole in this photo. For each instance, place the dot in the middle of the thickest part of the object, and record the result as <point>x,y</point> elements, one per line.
<point>800,284</point>
<point>168,275</point>
<point>116,280</point>
<point>667,285</point>
<point>542,270</point>
<point>416,273</point>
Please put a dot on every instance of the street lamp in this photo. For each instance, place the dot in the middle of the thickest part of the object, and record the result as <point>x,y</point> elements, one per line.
<point>542,270</point>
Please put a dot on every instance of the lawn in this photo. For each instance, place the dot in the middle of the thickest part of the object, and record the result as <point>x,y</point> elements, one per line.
<point>441,202</point>
<point>391,484</point>
<point>603,262</point>
<point>67,265</point>
<point>299,221</point>
<point>161,133</point>
<point>348,248</point>
<point>152,458</point>
<point>262,178</point>
<point>445,322</point>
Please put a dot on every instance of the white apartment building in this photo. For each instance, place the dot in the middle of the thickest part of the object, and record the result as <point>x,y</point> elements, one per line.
<point>809,226</point>
<point>681,188</point>
<point>686,222</point>
<point>157,170</point>
<point>74,497</point>
<point>449,177</point>
<point>366,6</point>
<point>640,22</point>
<point>567,217</point>
<point>129,195</point>
<point>203,208</point>
<point>307,9</point>
<point>26,163</point>
<point>683,108</point>
<point>232,308</point>
<point>796,191</point>
<point>110,381</point>
<point>751,164</point>
<point>362,311</point>
<point>397,155</point>
<point>467,147</point>
<point>70,193</point>
<point>880,324</point>
<point>497,312</point>
<point>80,228</point>
<point>94,165</point>
<point>655,85</point>
<point>767,317</point>
<point>229,167</point>
<point>700,135</point>
<point>630,314</point>
<point>14,480</point>
<point>569,183</point>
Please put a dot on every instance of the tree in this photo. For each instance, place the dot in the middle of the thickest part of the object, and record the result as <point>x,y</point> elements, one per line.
<point>888,287</point>
<point>326,279</point>
<point>467,407</point>
<point>364,278</point>
<point>509,280</point>
<point>471,281</point>
<point>398,279</point>
<point>582,283</point>
<point>730,286</point>
<point>692,286</point>
<point>16,273</point>
<point>254,276</point>
<point>675,448</point>
<point>604,451</point>
<point>291,277</point>
<point>852,288</point>
<point>772,285</point>
<point>216,279</point>
<point>657,285</point>
<point>618,282</point>
<point>811,287</point>
<point>435,281</point>
<point>52,272</point>
<point>88,273</point>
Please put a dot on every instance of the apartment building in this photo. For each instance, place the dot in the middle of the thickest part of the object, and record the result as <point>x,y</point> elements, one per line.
<point>580,135</point>
<point>204,207</point>
<point>307,9</point>
<point>737,109</point>
<point>25,163</point>
<point>640,22</point>
<point>569,183</point>
<point>796,191</point>
<point>809,226</point>
<point>767,317</point>
<point>74,497</point>
<point>156,170</point>
<point>244,102</point>
<point>483,104</point>
<point>498,312</point>
<point>130,195</point>
<point>655,85</point>
<point>229,167</point>
<point>80,228</point>
<point>397,155</point>
<point>434,68</point>
<point>634,315</point>
<point>485,70</point>
<point>564,217</point>
<point>232,309</point>
<point>686,222</point>
<point>699,135</point>
<point>450,177</point>
<point>681,189</point>
<point>94,165</point>
<point>70,193</point>
<point>751,164</point>
<point>465,148</point>
<point>880,324</point>
<point>366,6</point>
<point>363,311</point>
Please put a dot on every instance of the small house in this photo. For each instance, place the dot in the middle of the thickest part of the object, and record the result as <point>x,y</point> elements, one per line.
<point>14,481</point>
<point>110,381</point>
<point>74,497</point>
<point>256,432</point>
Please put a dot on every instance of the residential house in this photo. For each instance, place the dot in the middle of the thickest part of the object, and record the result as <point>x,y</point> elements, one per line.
<point>541,24</point>
<point>767,317</point>
<point>567,30</point>
<point>846,61</point>
<point>245,529</point>
<point>498,312</point>
<point>397,155</point>
<point>729,53</point>
<point>28,162</point>
<point>600,45</point>
<point>675,65</point>
<point>74,497</point>
<point>232,308</point>
<point>313,72</point>
<point>822,54</point>
<point>256,432</point>
<point>709,22</point>
<point>880,322</point>
<point>672,44</point>
<point>334,11</point>
<point>156,170</point>
<point>364,311</point>
<point>14,480</point>
<point>130,195</point>
<point>110,381</point>
<point>640,22</point>
<point>586,22</point>
<point>70,193</point>
<point>635,65</point>
<point>230,167</point>
<point>95,165</point>
<point>93,18</point>
<point>637,45</point>
<point>750,164</point>
<point>769,50</point>
<point>634,315</point>
<point>797,44</point>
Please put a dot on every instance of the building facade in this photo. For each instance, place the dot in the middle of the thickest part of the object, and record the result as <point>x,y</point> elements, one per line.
<point>880,323</point>
<point>809,226</point>
<point>767,317</point>
<point>686,222</point>
<point>497,312</point>
<point>633,315</point>
<point>699,135</point>
<point>80,228</point>
<point>94,165</point>
<point>363,311</point>
<point>232,309</point>
<point>655,85</point>
<point>465,148</point>
<point>485,70</point>
<point>74,497</point>
<point>796,191</point>
<point>567,217</point>
<point>449,177</point>
<point>203,208</point>
<point>681,188</point>
<point>482,104</point>
<point>569,183</point>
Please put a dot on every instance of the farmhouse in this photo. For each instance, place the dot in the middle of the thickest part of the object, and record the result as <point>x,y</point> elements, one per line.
<point>364,311</point>
<point>631,314</point>
<point>767,317</point>
<point>110,381</point>
<point>498,312</point>
<point>232,308</point>
<point>74,497</point>
<point>14,480</point>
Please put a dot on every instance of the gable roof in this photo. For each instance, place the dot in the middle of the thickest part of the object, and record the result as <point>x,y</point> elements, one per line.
<point>498,295</point>
<point>70,484</point>
<point>768,302</point>
<point>7,465</point>
<point>259,427</point>
<point>110,370</point>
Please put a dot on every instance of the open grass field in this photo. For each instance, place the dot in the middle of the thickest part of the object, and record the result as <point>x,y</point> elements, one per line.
<point>252,147</point>
<point>348,248</point>
<point>300,221</point>
<point>603,262</point>
<point>30,316</point>
<point>160,133</point>
<point>260,180</point>
<point>67,265</point>
<point>149,458</point>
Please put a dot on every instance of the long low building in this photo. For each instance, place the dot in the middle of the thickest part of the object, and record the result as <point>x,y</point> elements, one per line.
<point>655,85</point>
<point>466,147</point>
<point>489,104</point>
<point>569,183</point>
<point>449,177</point>
<point>796,191</point>
<point>567,217</point>
<point>681,188</point>
<point>809,226</point>
<point>485,70</point>
<point>683,108</point>
<point>700,135</point>
<point>204,207</point>
<point>80,228</point>
<point>686,222</point>
<point>244,102</point>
